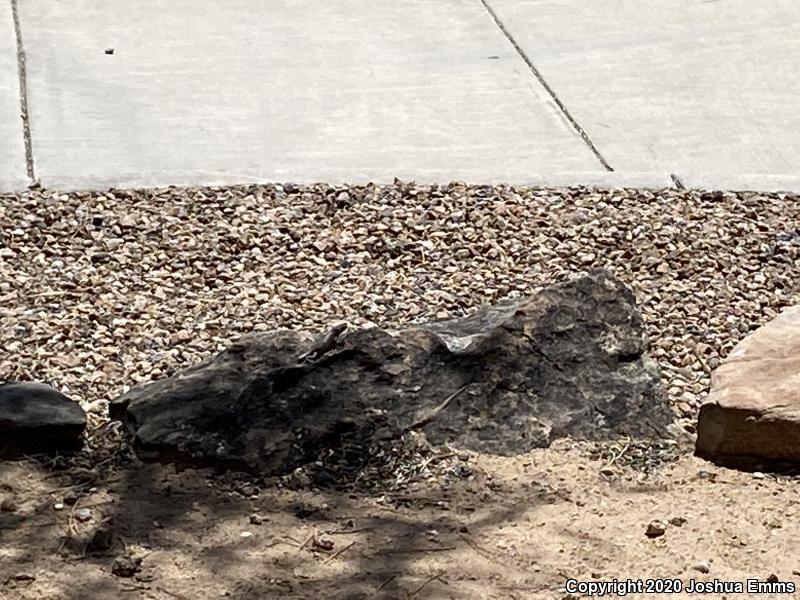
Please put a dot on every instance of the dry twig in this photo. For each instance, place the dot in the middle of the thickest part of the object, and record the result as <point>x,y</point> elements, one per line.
<point>385,583</point>
<point>426,582</point>
<point>338,552</point>
<point>432,415</point>
<point>175,595</point>
<point>619,454</point>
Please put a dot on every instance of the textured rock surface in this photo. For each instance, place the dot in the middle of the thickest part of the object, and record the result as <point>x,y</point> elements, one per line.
<point>569,360</point>
<point>753,410</point>
<point>36,418</point>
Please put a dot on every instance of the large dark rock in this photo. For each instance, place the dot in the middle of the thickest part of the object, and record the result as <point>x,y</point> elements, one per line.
<point>570,360</point>
<point>35,418</point>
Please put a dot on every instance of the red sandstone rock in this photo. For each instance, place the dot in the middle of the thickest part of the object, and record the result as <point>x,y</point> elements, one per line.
<point>753,410</point>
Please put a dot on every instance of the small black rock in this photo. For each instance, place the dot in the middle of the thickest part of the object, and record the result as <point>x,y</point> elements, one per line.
<point>35,418</point>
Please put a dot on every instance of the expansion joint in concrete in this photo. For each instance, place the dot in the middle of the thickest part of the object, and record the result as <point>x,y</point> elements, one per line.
<point>677,181</point>
<point>23,93</point>
<point>575,125</point>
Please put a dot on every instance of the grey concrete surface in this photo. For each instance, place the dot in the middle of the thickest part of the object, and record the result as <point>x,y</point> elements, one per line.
<point>284,91</point>
<point>13,173</point>
<point>355,91</point>
<point>706,89</point>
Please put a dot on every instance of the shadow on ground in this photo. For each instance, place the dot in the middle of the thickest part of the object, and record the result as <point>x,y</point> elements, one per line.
<point>202,534</point>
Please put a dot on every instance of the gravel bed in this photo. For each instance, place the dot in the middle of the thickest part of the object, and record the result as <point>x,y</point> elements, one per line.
<point>99,291</point>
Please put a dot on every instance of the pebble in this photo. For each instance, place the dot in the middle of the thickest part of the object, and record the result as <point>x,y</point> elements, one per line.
<point>323,543</point>
<point>127,220</point>
<point>677,521</point>
<point>655,529</point>
<point>297,479</point>
<point>248,490</point>
<point>126,566</point>
<point>256,519</point>
<point>703,566</point>
<point>246,534</point>
<point>83,515</point>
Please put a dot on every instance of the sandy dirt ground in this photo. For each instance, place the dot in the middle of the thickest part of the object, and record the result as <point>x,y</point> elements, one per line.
<point>100,291</point>
<point>510,528</point>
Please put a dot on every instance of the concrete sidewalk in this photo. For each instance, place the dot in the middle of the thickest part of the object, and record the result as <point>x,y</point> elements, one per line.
<point>13,175</point>
<point>697,93</point>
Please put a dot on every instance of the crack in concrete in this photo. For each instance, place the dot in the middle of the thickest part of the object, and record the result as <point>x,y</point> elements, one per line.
<point>677,181</point>
<point>23,94</point>
<point>575,125</point>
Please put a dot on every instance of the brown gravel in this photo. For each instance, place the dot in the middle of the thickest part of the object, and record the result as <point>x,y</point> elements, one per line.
<point>99,291</point>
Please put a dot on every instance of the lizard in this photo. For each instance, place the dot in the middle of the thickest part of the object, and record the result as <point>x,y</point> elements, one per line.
<point>323,344</point>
